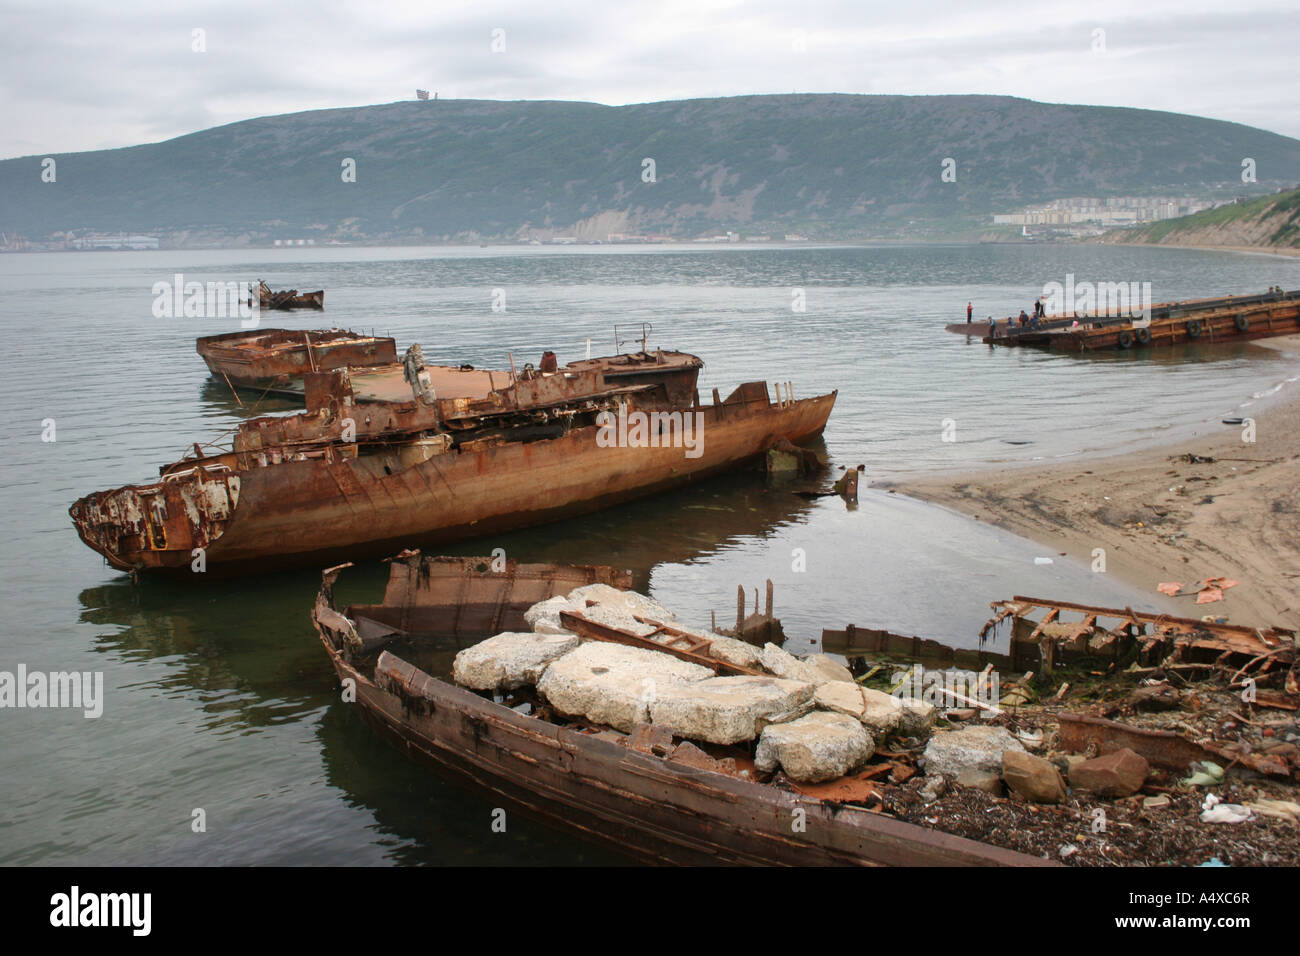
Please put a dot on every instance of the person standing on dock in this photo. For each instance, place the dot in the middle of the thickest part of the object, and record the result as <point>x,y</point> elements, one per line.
<point>969,309</point>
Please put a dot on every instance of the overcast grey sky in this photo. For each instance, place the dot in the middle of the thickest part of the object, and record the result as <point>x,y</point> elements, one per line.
<point>89,75</point>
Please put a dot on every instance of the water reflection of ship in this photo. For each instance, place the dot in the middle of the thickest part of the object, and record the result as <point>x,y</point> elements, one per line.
<point>216,395</point>
<point>254,634</point>
<point>421,818</point>
<point>247,649</point>
<point>676,527</point>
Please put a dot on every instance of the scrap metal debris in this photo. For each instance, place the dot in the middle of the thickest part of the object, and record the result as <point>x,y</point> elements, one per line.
<point>1206,591</point>
<point>1140,636</point>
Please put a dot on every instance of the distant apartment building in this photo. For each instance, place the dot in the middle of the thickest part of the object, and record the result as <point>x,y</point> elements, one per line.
<point>118,241</point>
<point>1111,211</point>
<point>629,237</point>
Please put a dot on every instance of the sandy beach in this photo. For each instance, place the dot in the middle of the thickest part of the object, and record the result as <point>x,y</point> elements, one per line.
<point>1286,251</point>
<point>1161,518</point>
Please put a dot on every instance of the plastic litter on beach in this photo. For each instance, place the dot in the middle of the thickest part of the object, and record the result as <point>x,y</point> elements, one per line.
<point>1210,775</point>
<point>1214,810</point>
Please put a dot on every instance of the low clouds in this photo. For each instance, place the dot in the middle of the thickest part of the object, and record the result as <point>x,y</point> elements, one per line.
<point>88,76</point>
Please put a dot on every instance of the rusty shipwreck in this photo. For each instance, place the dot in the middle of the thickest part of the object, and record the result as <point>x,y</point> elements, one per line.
<point>649,793</point>
<point>276,359</point>
<point>344,480</point>
<point>289,298</point>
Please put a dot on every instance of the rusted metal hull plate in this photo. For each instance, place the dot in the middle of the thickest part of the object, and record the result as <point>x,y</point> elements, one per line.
<point>451,598</point>
<point>857,641</point>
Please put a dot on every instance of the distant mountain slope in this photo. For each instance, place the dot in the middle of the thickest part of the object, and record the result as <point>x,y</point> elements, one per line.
<point>818,164</point>
<point>1271,222</point>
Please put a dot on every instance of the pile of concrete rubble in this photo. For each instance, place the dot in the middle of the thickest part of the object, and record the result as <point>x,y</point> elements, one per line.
<point>809,717</point>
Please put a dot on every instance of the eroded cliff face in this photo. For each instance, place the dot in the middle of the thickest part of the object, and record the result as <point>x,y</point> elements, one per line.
<point>1269,223</point>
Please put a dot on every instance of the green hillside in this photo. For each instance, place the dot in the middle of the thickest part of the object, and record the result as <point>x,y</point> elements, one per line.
<point>820,165</point>
<point>1268,222</point>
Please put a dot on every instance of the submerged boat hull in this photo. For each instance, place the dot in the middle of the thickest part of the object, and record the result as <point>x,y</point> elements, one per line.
<point>331,508</point>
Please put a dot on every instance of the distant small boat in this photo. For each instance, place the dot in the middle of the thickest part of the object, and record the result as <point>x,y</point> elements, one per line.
<point>291,299</point>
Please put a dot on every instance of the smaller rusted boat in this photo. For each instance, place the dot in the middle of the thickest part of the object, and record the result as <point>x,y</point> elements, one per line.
<point>276,359</point>
<point>645,795</point>
<point>290,299</point>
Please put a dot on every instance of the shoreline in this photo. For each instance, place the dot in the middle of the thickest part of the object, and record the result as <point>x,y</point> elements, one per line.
<point>1158,517</point>
<point>1284,251</point>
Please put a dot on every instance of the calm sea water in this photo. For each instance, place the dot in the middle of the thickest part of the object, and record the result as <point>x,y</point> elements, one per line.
<point>218,696</point>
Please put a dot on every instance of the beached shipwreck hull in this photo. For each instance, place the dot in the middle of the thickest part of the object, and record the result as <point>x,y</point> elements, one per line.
<point>656,807</point>
<point>297,490</point>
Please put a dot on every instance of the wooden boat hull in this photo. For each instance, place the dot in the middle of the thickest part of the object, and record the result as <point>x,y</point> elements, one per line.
<point>652,808</point>
<point>327,509</point>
